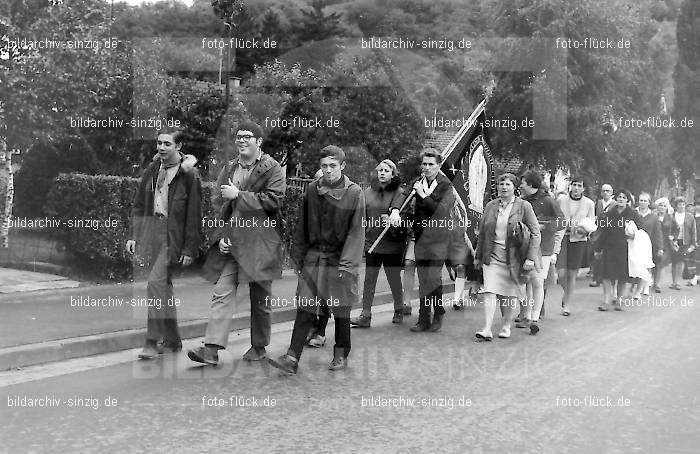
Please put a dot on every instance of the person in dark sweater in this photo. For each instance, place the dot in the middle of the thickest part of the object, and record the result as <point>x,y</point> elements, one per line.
<point>383,192</point>
<point>550,218</point>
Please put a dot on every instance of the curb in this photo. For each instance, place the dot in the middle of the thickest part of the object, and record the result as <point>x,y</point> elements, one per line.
<point>141,285</point>
<point>96,344</point>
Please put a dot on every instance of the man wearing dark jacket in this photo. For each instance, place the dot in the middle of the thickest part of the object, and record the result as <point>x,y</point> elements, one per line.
<point>327,254</point>
<point>247,247</point>
<point>166,233</point>
<point>550,217</point>
<point>431,230</point>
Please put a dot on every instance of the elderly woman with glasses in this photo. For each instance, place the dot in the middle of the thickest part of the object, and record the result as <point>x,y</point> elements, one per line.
<point>504,261</point>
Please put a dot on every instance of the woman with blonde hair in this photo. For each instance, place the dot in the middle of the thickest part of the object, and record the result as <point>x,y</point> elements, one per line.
<point>384,191</point>
<point>669,230</point>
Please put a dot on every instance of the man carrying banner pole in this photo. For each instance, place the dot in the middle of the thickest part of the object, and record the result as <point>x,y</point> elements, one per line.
<point>470,137</point>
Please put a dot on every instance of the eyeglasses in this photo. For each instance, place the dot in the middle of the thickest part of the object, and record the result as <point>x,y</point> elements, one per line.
<point>245,137</point>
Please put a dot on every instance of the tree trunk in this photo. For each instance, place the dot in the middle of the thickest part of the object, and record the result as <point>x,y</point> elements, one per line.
<point>6,157</point>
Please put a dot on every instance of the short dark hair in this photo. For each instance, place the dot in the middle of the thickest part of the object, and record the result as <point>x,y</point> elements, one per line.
<point>178,134</point>
<point>431,153</point>
<point>247,125</point>
<point>333,151</point>
<point>532,178</point>
<point>676,201</point>
<point>508,176</point>
<point>577,178</point>
<point>628,194</point>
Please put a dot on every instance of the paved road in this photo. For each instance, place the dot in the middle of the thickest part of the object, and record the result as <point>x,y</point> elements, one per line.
<point>614,382</point>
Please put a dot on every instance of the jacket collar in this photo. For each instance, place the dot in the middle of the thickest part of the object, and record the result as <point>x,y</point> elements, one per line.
<point>336,193</point>
<point>261,165</point>
<point>187,161</point>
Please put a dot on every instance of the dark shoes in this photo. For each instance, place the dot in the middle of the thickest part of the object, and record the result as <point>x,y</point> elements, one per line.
<point>534,328</point>
<point>361,322</point>
<point>206,355</point>
<point>398,317</point>
<point>255,354</point>
<point>484,336</point>
<point>407,310</point>
<point>153,349</point>
<point>286,363</point>
<point>420,327</point>
<point>458,305</point>
<point>437,323</point>
<point>656,289</point>
<point>340,361</point>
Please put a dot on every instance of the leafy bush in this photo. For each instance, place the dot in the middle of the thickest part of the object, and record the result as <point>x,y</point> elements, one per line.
<point>41,165</point>
<point>91,218</point>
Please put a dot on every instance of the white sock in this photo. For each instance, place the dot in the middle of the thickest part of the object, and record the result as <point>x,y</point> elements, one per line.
<point>459,288</point>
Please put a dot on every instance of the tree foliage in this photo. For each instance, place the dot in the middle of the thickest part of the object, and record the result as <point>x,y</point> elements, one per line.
<point>687,87</point>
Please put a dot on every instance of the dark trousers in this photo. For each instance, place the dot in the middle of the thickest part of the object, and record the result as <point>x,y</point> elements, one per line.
<point>305,320</point>
<point>429,289</point>
<point>392,268</point>
<point>321,320</point>
<point>319,285</point>
<point>162,314</point>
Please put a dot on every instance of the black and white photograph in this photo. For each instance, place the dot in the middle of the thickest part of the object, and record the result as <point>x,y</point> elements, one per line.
<point>372,226</point>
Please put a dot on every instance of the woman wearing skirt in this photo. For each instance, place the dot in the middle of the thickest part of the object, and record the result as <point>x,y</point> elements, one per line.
<point>499,256</point>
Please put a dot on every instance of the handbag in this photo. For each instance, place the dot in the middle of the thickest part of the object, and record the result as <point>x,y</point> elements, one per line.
<point>520,236</point>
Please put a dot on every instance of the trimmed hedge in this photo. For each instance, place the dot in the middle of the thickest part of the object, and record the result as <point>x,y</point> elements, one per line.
<point>91,216</point>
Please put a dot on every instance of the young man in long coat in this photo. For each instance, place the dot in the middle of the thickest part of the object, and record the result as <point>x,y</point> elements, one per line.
<point>327,254</point>
<point>247,247</point>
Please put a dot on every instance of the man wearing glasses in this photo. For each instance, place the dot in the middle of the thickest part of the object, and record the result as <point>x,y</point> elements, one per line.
<point>246,245</point>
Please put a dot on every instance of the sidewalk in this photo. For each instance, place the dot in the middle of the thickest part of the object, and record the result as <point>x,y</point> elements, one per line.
<point>71,321</point>
<point>12,281</point>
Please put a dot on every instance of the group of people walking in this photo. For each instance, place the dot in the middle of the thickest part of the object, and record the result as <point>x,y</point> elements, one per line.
<point>416,227</point>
